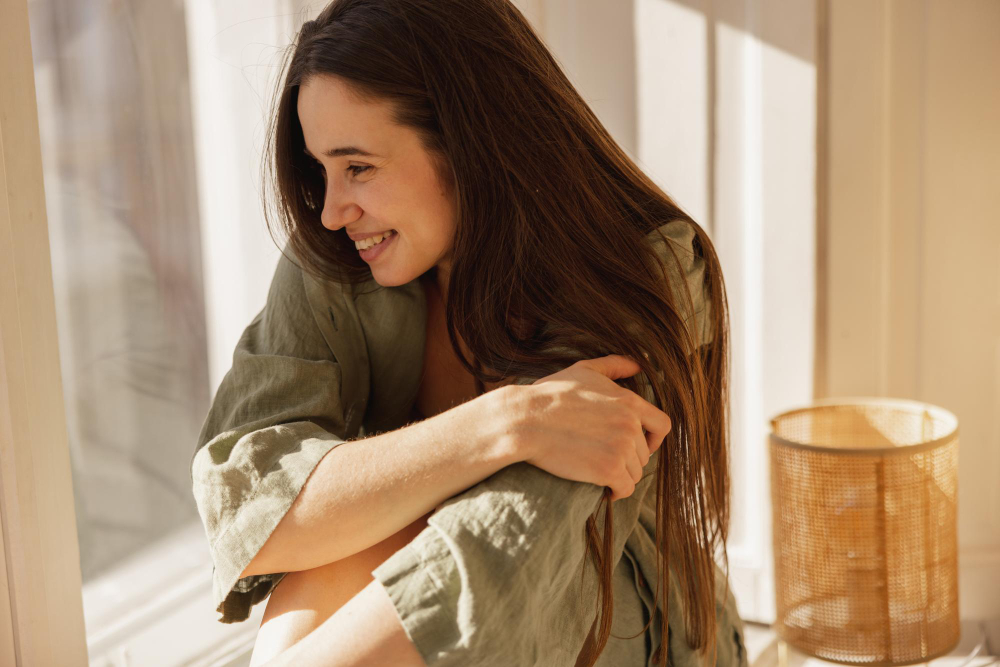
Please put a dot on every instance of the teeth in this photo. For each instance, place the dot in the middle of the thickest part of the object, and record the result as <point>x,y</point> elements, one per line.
<point>364,244</point>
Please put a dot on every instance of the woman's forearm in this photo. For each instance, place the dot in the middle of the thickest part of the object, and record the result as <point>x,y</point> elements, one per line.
<point>365,631</point>
<point>365,490</point>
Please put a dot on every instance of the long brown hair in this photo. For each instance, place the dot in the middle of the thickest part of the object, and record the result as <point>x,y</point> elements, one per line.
<point>552,228</point>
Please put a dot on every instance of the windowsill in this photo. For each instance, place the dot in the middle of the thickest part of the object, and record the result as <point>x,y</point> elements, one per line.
<point>762,648</point>
<point>759,639</point>
<point>135,613</point>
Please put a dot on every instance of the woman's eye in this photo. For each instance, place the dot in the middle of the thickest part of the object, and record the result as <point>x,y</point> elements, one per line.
<point>354,169</point>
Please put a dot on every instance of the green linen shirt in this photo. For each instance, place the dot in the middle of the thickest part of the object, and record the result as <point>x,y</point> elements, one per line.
<point>495,578</point>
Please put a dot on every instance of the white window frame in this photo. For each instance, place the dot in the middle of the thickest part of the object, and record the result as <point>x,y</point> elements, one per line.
<point>41,574</point>
<point>164,591</point>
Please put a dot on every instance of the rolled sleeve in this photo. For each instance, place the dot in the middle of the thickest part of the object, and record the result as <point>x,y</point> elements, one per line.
<point>275,415</point>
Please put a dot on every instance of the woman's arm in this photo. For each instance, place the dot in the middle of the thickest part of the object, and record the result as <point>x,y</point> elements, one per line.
<point>365,631</point>
<point>363,491</point>
<point>273,495</point>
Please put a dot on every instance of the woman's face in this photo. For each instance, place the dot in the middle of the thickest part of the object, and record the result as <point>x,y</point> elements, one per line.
<point>378,178</point>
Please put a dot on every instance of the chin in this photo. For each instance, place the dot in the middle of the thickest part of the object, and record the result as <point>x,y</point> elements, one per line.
<point>391,278</point>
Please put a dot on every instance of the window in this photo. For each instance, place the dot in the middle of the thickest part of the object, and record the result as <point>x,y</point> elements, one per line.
<point>145,174</point>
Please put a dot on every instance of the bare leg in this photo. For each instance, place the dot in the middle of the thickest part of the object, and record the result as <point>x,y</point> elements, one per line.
<point>303,600</point>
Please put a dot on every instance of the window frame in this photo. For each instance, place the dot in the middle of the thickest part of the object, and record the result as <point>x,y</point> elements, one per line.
<point>41,577</point>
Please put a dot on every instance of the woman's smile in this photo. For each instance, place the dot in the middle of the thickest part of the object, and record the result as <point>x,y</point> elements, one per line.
<point>370,253</point>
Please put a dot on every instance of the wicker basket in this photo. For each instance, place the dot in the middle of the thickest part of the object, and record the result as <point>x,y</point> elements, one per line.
<point>864,494</point>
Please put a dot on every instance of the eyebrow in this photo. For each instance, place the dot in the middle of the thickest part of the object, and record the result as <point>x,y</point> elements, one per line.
<point>338,152</point>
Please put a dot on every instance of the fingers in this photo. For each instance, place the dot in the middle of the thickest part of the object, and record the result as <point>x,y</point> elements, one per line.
<point>634,469</point>
<point>631,472</point>
<point>623,489</point>
<point>655,421</point>
<point>613,366</point>
<point>653,442</point>
<point>643,450</point>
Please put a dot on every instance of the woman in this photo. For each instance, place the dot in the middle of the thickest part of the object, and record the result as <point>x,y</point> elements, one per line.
<point>519,236</point>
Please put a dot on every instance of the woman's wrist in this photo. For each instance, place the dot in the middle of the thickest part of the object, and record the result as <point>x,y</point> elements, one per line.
<point>497,416</point>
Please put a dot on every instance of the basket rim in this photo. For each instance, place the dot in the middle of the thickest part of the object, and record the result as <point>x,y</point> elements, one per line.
<point>935,411</point>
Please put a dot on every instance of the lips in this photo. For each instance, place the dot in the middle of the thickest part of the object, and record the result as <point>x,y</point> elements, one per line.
<point>370,243</point>
<point>367,235</point>
<point>370,253</point>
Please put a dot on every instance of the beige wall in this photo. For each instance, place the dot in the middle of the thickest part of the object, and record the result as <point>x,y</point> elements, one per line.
<point>910,230</point>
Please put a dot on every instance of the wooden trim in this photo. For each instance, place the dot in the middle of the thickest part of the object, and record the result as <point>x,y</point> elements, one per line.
<point>820,379</point>
<point>43,620</point>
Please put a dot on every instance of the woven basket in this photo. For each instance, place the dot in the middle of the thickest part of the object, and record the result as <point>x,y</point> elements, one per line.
<point>864,495</point>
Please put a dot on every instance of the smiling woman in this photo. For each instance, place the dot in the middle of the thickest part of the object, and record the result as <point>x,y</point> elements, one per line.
<point>391,184</point>
<point>553,320</point>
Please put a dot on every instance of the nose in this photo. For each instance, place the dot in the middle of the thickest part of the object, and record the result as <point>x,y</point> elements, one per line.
<point>338,209</point>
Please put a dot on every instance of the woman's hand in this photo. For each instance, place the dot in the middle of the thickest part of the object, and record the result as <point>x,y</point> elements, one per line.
<point>579,425</point>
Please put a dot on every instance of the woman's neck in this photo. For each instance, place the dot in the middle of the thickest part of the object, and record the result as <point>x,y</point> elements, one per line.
<point>438,276</point>
<point>433,290</point>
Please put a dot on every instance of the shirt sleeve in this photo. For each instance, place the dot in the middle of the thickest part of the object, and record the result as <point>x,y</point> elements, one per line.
<point>276,413</point>
<point>690,274</point>
<point>499,576</point>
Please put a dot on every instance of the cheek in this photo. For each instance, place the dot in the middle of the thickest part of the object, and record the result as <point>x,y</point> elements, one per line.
<point>372,197</point>
<point>449,235</point>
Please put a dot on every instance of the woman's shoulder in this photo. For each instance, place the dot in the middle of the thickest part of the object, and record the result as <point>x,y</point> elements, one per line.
<point>351,300</point>
<point>375,332</point>
<point>677,245</point>
<point>350,316</point>
<point>307,305</point>
<point>680,234</point>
